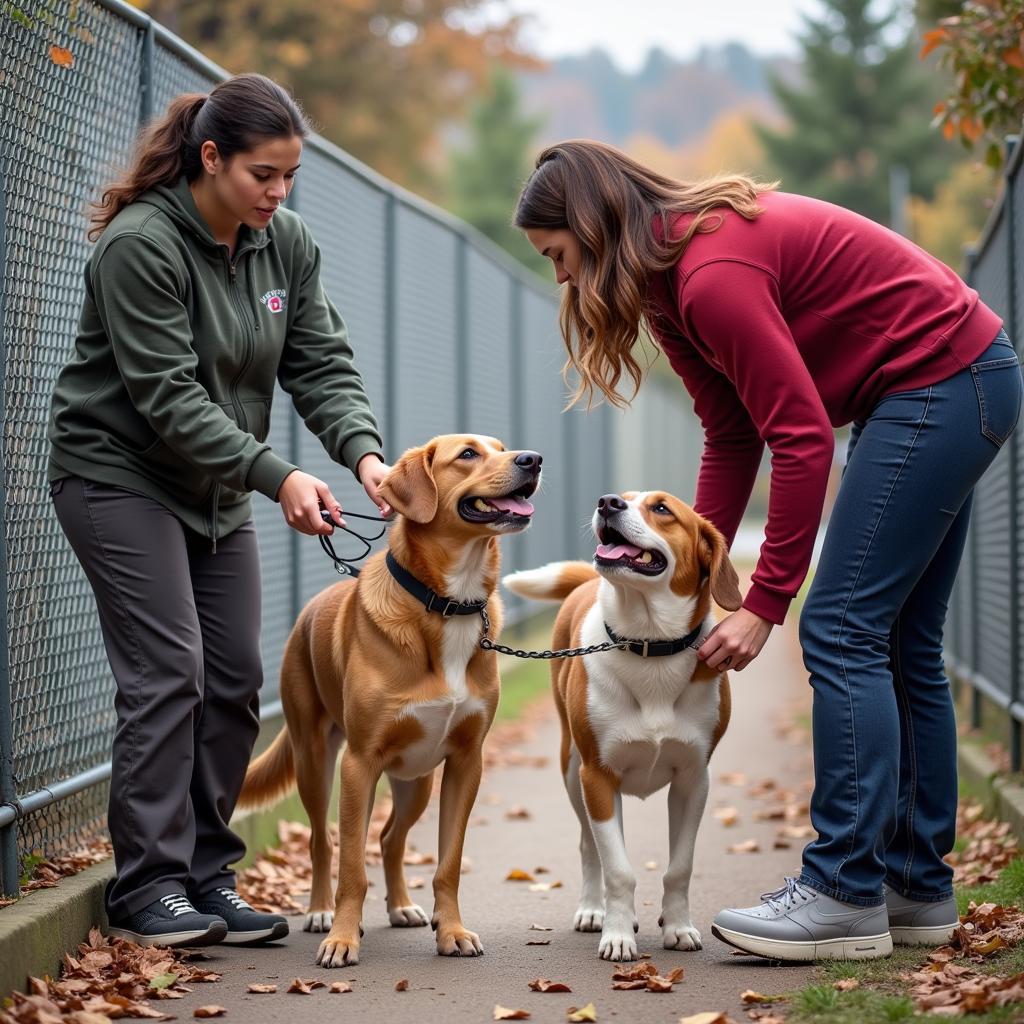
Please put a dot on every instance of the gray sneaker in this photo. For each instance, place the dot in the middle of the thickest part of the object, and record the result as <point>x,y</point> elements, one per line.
<point>918,923</point>
<point>799,923</point>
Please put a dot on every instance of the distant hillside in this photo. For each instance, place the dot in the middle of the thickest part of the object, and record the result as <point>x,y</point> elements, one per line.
<point>673,101</point>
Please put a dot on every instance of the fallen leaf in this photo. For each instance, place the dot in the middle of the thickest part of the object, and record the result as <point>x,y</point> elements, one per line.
<point>402,986</point>
<point>750,996</point>
<point>340,986</point>
<point>651,865</point>
<point>748,846</point>
<point>261,989</point>
<point>304,987</point>
<point>846,984</point>
<point>636,972</point>
<point>61,57</point>
<point>517,813</point>
<point>209,1011</point>
<point>518,875</point>
<point>538,942</point>
<point>416,882</point>
<point>727,815</point>
<point>544,886</point>
<point>163,980</point>
<point>588,1012</point>
<point>732,779</point>
<point>707,1018</point>
<point>544,985</point>
<point>504,1013</point>
<point>539,928</point>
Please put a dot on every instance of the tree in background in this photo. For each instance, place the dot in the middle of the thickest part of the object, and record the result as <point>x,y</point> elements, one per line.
<point>488,173</point>
<point>379,79</point>
<point>983,45</point>
<point>863,108</point>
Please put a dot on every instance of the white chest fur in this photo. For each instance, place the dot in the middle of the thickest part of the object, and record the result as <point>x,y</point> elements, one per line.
<point>438,717</point>
<point>650,722</point>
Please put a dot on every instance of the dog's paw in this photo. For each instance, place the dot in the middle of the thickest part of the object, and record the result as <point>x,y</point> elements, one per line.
<point>318,921</point>
<point>338,952</point>
<point>680,936</point>
<point>617,944</point>
<point>458,942</point>
<point>412,916</point>
<point>588,919</point>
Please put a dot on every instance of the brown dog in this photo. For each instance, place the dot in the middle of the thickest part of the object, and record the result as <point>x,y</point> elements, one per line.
<point>403,687</point>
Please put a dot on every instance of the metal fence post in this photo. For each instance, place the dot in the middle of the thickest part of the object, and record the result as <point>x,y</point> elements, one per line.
<point>146,75</point>
<point>461,333</point>
<point>1014,482</point>
<point>391,322</point>
<point>9,877</point>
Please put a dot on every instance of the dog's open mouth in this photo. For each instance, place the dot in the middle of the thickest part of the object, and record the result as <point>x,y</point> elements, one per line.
<point>507,510</point>
<point>614,549</point>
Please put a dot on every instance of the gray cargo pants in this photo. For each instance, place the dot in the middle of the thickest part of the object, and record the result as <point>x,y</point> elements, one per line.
<point>181,628</point>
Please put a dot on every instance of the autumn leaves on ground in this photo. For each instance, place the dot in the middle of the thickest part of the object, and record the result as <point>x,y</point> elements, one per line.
<point>522,856</point>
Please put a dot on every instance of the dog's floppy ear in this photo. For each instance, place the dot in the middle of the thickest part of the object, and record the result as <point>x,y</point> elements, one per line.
<point>409,488</point>
<point>714,560</point>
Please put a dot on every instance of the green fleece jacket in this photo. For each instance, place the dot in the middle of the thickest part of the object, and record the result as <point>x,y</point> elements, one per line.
<point>169,388</point>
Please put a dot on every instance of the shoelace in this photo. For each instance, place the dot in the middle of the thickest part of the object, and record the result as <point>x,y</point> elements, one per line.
<point>233,898</point>
<point>787,897</point>
<point>178,904</point>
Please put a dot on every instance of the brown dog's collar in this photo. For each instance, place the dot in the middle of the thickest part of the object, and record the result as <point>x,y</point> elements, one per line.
<point>431,600</point>
<point>655,648</point>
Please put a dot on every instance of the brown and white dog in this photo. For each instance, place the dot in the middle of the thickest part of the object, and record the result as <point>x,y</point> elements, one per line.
<point>633,722</point>
<point>403,688</point>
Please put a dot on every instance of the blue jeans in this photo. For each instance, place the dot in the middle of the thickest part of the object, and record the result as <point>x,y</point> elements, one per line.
<point>885,779</point>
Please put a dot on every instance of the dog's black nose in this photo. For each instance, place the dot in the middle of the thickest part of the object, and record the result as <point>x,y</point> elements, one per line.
<point>609,504</point>
<point>530,461</point>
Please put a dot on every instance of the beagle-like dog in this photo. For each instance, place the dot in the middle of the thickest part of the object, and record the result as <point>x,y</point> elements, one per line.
<point>389,665</point>
<point>640,717</point>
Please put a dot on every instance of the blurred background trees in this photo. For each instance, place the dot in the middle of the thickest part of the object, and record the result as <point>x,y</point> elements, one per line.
<point>445,97</point>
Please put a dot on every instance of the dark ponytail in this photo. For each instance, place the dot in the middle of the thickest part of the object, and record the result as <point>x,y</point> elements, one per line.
<point>237,115</point>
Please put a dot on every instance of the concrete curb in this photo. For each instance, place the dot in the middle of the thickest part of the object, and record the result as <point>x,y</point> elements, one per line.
<point>1002,795</point>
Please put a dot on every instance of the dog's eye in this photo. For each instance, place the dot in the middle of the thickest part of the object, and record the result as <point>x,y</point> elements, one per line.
<point>662,509</point>
<point>469,453</point>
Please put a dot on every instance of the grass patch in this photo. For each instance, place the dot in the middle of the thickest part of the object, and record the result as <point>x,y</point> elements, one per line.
<point>522,686</point>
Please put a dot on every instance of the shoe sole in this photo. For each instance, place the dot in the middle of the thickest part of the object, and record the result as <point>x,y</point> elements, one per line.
<point>923,936</point>
<point>867,947</point>
<point>200,937</point>
<point>256,938</point>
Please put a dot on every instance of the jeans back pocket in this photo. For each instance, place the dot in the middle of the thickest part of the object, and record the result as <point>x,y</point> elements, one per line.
<point>999,386</point>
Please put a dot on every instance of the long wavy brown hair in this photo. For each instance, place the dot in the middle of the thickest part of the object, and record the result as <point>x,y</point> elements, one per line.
<point>237,115</point>
<point>611,204</point>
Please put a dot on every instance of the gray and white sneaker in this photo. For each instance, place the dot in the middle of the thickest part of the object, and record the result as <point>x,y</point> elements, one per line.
<point>800,923</point>
<point>919,923</point>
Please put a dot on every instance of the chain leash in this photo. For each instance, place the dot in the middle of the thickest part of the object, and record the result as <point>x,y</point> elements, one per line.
<point>567,652</point>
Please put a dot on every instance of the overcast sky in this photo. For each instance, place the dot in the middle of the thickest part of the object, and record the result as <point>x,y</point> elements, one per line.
<point>629,28</point>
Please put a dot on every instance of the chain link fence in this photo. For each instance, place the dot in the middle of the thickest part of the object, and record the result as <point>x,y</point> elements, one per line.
<point>983,631</point>
<point>450,334</point>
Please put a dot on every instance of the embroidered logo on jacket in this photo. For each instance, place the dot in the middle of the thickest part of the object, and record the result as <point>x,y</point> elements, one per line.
<point>276,300</point>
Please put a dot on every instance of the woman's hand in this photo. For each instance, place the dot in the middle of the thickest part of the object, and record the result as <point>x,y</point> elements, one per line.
<point>735,642</point>
<point>301,497</point>
<point>371,470</point>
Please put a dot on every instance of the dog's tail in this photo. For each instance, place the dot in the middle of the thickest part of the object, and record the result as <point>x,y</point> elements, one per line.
<point>552,582</point>
<point>271,775</point>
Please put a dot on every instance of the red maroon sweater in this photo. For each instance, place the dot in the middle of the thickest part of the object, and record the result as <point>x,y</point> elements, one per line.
<point>790,324</point>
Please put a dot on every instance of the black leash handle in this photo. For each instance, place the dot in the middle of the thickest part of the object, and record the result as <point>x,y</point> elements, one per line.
<point>345,565</point>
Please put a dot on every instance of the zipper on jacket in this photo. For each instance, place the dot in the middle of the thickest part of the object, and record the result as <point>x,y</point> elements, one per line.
<point>250,344</point>
<point>215,509</point>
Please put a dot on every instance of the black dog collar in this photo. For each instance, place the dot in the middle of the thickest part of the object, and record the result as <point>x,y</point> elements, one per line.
<point>432,601</point>
<point>655,648</point>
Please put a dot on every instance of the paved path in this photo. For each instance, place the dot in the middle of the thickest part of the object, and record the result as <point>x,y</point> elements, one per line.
<point>452,990</point>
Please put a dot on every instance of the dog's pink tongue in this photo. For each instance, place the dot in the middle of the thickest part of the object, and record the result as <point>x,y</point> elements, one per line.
<point>520,506</point>
<point>613,551</point>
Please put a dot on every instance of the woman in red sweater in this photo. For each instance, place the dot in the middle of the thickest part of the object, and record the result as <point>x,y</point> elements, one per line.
<point>785,317</point>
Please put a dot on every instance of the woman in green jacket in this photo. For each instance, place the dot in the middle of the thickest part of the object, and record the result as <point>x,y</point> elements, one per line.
<point>201,292</point>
